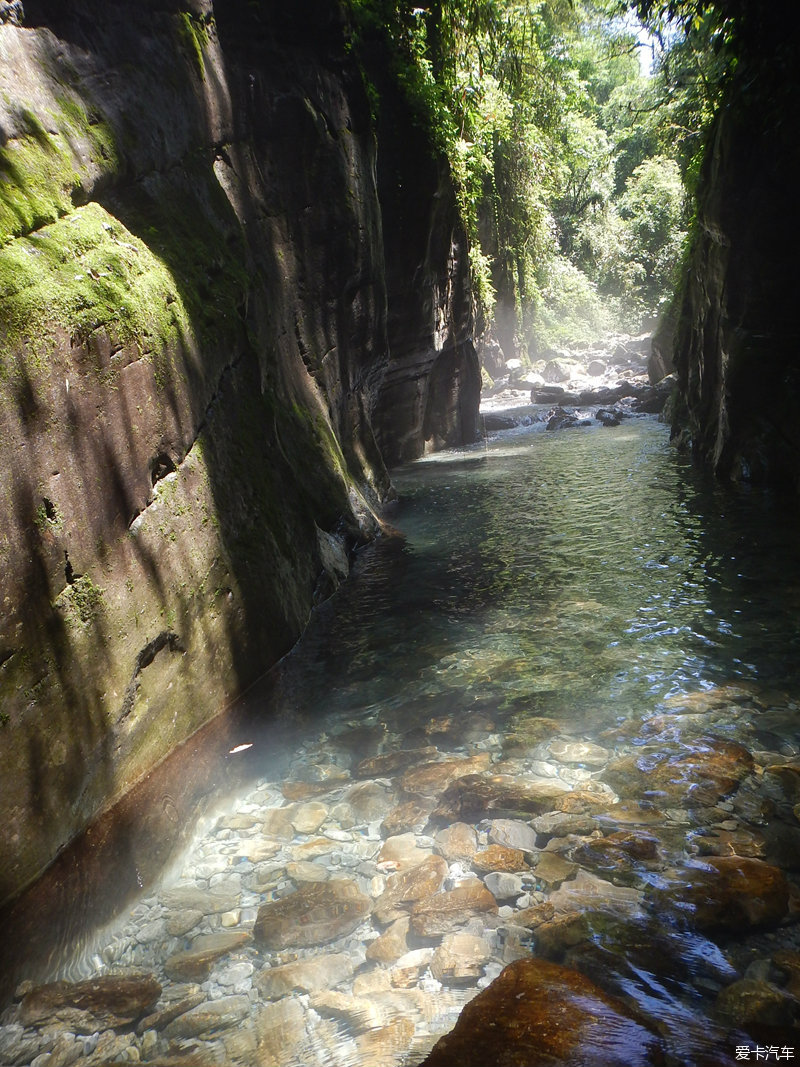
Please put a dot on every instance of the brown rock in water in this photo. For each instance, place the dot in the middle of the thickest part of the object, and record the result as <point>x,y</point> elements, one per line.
<point>308,818</point>
<point>281,1032</point>
<point>582,802</point>
<point>278,821</point>
<point>697,773</point>
<point>404,888</point>
<point>391,762</point>
<point>513,833</point>
<point>527,734</point>
<point>499,858</point>
<point>412,815</point>
<point>475,796</point>
<point>539,1014</point>
<point>457,842</point>
<point>392,944</point>
<point>410,967</point>
<point>741,842</point>
<point>195,963</point>
<point>788,961</point>
<point>317,913</point>
<point>112,1000</point>
<point>298,791</point>
<point>369,801</point>
<point>553,937</point>
<point>304,976</point>
<point>382,1045</point>
<point>757,1005</point>
<point>534,916</point>
<point>431,779</point>
<point>618,855</point>
<point>402,852</point>
<point>729,893</point>
<point>440,914</point>
<point>553,869</point>
<point>212,1015</point>
<point>460,959</point>
<point>159,1019</point>
<point>584,753</point>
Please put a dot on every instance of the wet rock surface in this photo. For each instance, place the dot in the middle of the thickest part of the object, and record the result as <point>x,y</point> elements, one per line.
<point>315,914</point>
<point>540,1012</point>
<point>104,1001</point>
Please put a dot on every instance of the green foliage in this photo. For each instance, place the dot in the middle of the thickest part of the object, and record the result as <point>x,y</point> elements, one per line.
<point>652,208</point>
<point>569,163</point>
<point>571,309</point>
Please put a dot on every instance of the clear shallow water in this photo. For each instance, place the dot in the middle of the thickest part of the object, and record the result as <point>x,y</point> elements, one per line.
<point>591,579</point>
<point>592,573</point>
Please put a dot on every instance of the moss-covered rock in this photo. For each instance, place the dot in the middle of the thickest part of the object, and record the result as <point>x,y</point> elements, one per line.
<point>193,342</point>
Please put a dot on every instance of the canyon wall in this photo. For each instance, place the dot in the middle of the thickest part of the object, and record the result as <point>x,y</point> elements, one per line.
<point>735,332</point>
<point>207,358</point>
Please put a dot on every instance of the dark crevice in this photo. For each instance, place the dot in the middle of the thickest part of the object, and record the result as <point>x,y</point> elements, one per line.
<point>160,466</point>
<point>166,639</point>
<point>69,571</point>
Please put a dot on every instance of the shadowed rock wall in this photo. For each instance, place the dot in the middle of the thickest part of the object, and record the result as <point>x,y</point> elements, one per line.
<point>193,344</point>
<point>430,393</point>
<point>736,333</point>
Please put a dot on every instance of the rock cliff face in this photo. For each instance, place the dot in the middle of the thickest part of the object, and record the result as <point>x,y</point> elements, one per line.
<point>430,394</point>
<point>195,361</point>
<point>736,334</point>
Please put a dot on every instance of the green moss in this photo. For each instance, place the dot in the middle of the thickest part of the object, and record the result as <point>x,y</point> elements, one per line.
<point>48,517</point>
<point>41,172</point>
<point>92,127</point>
<point>194,36</point>
<point>82,599</point>
<point>81,273</point>
<point>37,181</point>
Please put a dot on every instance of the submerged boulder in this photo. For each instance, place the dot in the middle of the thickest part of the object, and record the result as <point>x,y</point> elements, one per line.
<point>97,1003</point>
<point>317,913</point>
<point>537,1012</point>
<point>728,893</point>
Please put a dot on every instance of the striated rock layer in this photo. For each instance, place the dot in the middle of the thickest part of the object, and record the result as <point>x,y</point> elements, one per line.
<point>194,363</point>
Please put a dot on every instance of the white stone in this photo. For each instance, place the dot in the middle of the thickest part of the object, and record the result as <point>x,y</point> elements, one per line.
<point>308,818</point>
<point>338,835</point>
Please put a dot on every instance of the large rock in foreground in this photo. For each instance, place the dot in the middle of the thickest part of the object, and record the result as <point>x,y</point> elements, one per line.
<point>539,1013</point>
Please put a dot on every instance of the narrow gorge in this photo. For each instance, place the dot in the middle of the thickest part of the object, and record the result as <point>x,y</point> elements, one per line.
<point>398,460</point>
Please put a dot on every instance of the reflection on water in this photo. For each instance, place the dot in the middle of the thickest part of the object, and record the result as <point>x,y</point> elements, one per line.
<point>570,692</point>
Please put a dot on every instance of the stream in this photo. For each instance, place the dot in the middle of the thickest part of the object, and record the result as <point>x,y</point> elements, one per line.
<point>556,716</point>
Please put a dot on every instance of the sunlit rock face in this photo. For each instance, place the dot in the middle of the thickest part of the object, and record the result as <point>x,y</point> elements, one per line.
<point>193,347</point>
<point>735,339</point>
